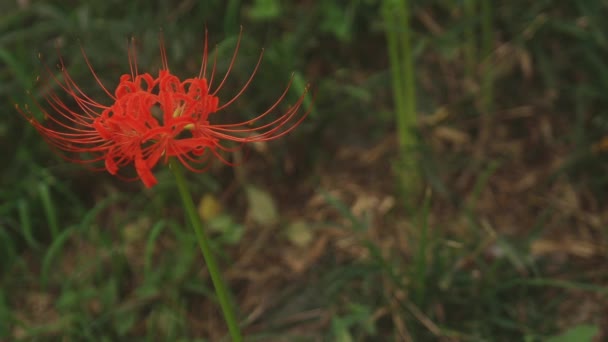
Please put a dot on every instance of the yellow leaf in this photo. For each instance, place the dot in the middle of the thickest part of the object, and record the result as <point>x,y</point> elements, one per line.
<point>262,208</point>
<point>209,207</point>
<point>299,234</point>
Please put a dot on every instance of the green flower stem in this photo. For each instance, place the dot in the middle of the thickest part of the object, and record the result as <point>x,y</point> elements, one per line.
<point>470,53</point>
<point>487,31</point>
<point>397,15</point>
<point>203,242</point>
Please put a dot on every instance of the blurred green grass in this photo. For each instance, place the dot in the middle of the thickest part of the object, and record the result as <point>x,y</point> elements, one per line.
<point>505,243</point>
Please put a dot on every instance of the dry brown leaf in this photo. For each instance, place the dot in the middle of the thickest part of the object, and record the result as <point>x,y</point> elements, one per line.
<point>578,248</point>
<point>299,260</point>
<point>451,135</point>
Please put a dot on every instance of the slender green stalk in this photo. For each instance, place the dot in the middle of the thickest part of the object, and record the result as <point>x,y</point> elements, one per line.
<point>49,210</point>
<point>487,32</point>
<point>203,242</point>
<point>231,21</point>
<point>396,65</point>
<point>26,224</point>
<point>397,17</point>
<point>408,116</point>
<point>487,78</point>
<point>421,261</point>
<point>470,45</point>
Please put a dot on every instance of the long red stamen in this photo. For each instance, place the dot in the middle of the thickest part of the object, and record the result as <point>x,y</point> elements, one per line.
<point>127,133</point>
<point>232,60</point>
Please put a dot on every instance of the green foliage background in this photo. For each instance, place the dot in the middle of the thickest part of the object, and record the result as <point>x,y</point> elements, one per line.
<point>85,256</point>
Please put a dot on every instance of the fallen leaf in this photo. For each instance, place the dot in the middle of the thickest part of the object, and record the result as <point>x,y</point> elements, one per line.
<point>451,135</point>
<point>209,207</point>
<point>299,233</point>
<point>299,260</point>
<point>231,232</point>
<point>262,208</point>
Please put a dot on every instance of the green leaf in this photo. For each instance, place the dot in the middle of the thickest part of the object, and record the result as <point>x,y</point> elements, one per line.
<point>265,10</point>
<point>338,20</point>
<point>579,333</point>
<point>26,224</point>
<point>340,330</point>
<point>150,244</point>
<point>49,209</point>
<point>52,253</point>
<point>230,230</point>
<point>124,322</point>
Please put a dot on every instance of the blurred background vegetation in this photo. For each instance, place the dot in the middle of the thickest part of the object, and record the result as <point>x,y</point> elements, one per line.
<point>450,184</point>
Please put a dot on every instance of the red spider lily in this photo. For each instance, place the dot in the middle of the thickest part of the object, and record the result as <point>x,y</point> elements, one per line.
<point>127,131</point>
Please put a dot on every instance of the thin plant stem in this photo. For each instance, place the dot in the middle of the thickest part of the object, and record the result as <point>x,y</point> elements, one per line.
<point>421,261</point>
<point>470,46</point>
<point>487,78</point>
<point>396,65</point>
<point>398,33</point>
<point>203,242</point>
<point>49,209</point>
<point>487,32</point>
<point>397,16</point>
<point>409,114</point>
<point>232,16</point>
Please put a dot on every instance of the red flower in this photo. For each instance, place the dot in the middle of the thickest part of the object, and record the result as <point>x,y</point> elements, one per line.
<point>128,131</point>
